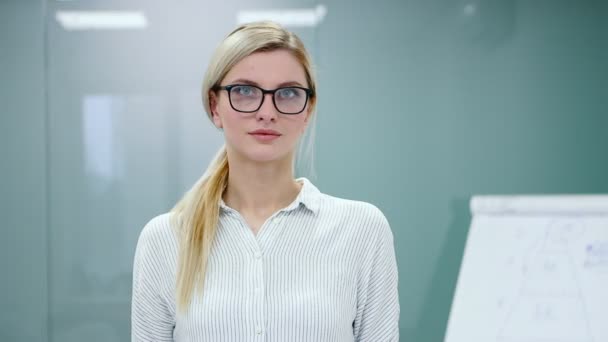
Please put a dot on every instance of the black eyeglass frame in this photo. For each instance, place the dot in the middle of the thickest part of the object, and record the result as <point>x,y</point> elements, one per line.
<point>309,93</point>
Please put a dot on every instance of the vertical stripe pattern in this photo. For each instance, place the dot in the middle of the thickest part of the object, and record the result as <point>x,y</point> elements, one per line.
<point>321,269</point>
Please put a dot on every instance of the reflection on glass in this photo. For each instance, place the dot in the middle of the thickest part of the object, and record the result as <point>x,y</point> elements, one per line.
<point>103,158</point>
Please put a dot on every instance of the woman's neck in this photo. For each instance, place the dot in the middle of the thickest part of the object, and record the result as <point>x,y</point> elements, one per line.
<point>260,188</point>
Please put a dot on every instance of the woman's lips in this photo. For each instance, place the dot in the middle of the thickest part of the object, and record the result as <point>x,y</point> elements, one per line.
<point>265,135</point>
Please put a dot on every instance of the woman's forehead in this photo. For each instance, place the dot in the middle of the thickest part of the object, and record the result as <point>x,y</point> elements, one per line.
<point>269,69</point>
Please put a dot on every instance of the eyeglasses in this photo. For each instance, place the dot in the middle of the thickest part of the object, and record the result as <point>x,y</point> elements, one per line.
<point>247,98</point>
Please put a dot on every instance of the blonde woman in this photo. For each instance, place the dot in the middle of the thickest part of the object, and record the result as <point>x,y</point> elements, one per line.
<point>250,253</point>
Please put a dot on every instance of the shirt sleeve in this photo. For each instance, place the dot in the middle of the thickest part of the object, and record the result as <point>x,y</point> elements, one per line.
<point>151,319</point>
<point>377,318</point>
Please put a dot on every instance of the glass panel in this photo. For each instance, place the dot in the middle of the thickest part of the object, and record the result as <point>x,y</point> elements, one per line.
<point>128,136</point>
<point>23,196</point>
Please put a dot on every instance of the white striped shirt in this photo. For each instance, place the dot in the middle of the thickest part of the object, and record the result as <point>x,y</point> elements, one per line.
<point>321,269</point>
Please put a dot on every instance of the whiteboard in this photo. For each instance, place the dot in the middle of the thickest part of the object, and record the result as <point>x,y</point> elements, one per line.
<point>535,269</point>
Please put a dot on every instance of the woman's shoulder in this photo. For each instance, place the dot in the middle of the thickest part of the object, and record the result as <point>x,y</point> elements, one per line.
<point>359,207</point>
<point>156,252</point>
<point>356,212</point>
<point>158,233</point>
<point>361,223</point>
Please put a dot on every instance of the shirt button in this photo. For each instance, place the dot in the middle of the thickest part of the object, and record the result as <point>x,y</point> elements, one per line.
<point>258,255</point>
<point>258,331</point>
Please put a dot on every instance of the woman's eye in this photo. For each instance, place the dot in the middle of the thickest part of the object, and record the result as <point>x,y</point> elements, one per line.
<point>243,90</point>
<point>287,93</point>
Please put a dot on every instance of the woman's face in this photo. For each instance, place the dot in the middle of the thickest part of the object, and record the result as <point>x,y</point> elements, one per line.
<point>267,70</point>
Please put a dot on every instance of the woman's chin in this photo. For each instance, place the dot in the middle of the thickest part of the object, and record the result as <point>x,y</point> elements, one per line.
<point>263,158</point>
<point>261,154</point>
<point>267,156</point>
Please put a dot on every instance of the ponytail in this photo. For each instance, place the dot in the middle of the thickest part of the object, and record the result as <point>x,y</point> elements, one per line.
<point>196,218</point>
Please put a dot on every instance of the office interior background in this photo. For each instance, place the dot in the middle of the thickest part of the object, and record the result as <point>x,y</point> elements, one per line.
<point>422,104</point>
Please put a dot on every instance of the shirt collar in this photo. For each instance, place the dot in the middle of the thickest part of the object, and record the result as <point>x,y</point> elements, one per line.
<point>309,196</point>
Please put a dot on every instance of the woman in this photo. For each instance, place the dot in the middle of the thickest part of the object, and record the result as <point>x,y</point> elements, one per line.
<point>250,253</point>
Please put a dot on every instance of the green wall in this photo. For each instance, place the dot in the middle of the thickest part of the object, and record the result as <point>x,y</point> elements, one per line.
<point>423,106</point>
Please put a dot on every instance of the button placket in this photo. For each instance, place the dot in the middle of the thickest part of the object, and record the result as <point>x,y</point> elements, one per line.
<point>258,294</point>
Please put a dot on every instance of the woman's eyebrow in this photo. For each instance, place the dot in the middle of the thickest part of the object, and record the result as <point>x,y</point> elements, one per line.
<point>290,83</point>
<point>244,81</point>
<point>283,84</point>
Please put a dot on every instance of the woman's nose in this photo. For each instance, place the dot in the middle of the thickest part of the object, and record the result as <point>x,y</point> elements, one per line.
<point>267,111</point>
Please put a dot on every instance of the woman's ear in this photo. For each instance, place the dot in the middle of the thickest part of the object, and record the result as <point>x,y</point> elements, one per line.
<point>309,113</point>
<point>213,100</point>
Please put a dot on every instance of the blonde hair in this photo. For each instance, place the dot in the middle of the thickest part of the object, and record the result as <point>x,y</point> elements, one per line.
<point>196,215</point>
